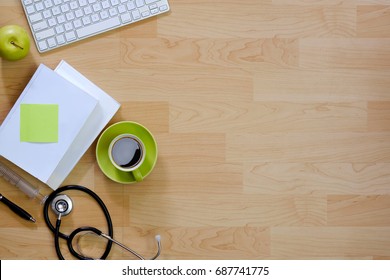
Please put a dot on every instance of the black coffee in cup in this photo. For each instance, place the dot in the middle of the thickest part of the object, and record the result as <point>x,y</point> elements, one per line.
<point>127,152</point>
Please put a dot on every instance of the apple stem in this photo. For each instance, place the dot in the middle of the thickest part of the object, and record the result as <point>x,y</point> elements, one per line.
<point>16,45</point>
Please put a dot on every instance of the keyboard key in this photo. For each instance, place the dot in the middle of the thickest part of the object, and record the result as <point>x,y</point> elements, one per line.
<point>125,17</point>
<point>98,27</point>
<point>77,23</point>
<point>56,11</point>
<point>139,3</point>
<point>70,16</point>
<point>48,3</point>
<point>65,8</point>
<point>104,14</point>
<point>87,10</point>
<point>59,29</point>
<point>86,20</point>
<point>42,45</point>
<point>150,1</point>
<point>46,14</point>
<point>73,5</point>
<point>61,19</point>
<point>40,26</point>
<point>121,9</point>
<point>105,4</point>
<point>130,6</point>
<point>95,18</point>
<point>113,12</point>
<point>39,7</point>
<point>70,36</point>
<point>96,7</point>
<point>60,39</point>
<point>45,34</point>
<point>83,3</point>
<point>35,17</point>
<point>52,22</point>
<point>78,13</point>
<point>136,14</point>
<point>68,26</point>
<point>30,9</point>
<point>51,42</point>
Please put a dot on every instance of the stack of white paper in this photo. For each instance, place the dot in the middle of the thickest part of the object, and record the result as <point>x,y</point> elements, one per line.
<point>84,110</point>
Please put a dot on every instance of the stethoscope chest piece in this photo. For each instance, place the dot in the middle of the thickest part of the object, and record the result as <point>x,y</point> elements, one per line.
<point>62,204</point>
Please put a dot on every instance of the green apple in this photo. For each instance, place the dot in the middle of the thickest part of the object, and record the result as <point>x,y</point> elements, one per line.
<point>14,42</point>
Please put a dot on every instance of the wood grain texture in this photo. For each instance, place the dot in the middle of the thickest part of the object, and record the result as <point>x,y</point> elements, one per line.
<point>272,119</point>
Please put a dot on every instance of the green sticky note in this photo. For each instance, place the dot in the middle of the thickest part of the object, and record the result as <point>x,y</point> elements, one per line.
<point>39,123</point>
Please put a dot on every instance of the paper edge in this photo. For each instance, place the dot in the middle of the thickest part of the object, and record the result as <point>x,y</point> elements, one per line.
<point>76,151</point>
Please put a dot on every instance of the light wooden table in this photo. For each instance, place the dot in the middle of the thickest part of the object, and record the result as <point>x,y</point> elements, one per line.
<point>272,119</point>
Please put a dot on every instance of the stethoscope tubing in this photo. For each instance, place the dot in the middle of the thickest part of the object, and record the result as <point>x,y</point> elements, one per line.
<point>69,238</point>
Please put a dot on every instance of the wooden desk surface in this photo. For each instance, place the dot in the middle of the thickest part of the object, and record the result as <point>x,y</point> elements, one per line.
<point>272,119</point>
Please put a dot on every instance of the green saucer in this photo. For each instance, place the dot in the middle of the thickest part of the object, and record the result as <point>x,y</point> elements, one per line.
<point>109,134</point>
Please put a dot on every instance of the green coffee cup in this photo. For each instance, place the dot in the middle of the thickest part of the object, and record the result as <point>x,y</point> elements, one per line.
<point>112,152</point>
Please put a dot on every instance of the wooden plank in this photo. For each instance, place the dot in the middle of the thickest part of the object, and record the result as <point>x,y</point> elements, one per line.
<point>308,147</point>
<point>360,211</point>
<point>202,242</point>
<point>355,53</point>
<point>373,21</point>
<point>252,18</point>
<point>317,178</point>
<point>194,209</point>
<point>328,242</point>
<point>321,85</point>
<point>267,117</point>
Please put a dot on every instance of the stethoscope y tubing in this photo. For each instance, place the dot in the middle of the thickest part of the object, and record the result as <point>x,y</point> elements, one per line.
<point>53,198</point>
<point>69,238</point>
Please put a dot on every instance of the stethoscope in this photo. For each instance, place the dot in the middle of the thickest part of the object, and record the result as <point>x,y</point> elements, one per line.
<point>62,205</point>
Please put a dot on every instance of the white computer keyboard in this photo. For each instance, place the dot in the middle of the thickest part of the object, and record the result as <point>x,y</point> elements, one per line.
<point>56,23</point>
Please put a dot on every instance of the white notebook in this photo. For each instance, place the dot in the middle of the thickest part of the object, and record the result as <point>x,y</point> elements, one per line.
<point>83,111</point>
